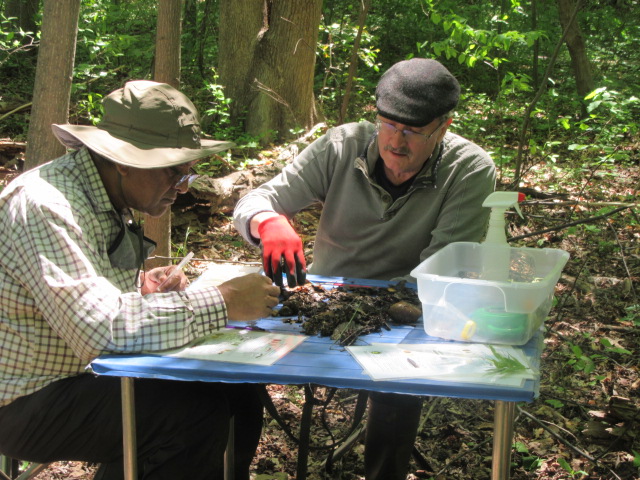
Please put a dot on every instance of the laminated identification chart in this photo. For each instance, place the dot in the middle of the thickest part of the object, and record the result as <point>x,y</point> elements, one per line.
<point>240,346</point>
<point>450,361</point>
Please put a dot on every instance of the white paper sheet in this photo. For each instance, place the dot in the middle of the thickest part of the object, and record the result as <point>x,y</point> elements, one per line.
<point>241,346</point>
<point>217,273</point>
<point>453,362</point>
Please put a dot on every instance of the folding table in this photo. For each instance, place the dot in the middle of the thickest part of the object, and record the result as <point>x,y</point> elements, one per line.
<point>320,361</point>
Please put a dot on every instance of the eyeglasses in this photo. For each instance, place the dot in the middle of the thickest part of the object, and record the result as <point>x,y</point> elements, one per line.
<point>409,135</point>
<point>181,179</point>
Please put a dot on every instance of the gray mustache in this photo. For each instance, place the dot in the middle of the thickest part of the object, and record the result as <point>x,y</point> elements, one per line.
<point>400,151</point>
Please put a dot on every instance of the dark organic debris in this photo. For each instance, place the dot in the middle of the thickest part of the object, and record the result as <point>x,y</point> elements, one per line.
<point>346,312</point>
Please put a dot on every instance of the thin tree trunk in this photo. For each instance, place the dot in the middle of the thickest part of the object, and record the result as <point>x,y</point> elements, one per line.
<point>25,13</point>
<point>166,70</point>
<point>54,74</point>
<point>536,44</point>
<point>541,89</point>
<point>169,29</point>
<point>202,37</point>
<point>577,49</point>
<point>353,62</point>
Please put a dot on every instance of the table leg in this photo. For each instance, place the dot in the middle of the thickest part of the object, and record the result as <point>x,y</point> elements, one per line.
<point>305,428</point>
<point>502,439</point>
<point>129,429</point>
<point>6,467</point>
<point>229,453</point>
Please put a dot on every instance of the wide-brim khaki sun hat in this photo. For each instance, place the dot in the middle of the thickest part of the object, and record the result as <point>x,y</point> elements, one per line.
<point>145,125</point>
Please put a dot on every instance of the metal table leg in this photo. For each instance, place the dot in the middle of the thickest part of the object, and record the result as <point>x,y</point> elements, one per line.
<point>502,439</point>
<point>305,428</point>
<point>129,429</point>
<point>229,453</point>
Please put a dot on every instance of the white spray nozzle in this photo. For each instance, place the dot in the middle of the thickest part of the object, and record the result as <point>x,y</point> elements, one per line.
<point>503,199</point>
<point>499,202</point>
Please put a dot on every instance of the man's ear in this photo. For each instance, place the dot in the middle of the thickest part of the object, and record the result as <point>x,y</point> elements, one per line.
<point>122,169</point>
<point>444,128</point>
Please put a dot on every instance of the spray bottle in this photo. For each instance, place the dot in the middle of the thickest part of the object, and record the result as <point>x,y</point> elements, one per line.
<point>491,320</point>
<point>496,256</point>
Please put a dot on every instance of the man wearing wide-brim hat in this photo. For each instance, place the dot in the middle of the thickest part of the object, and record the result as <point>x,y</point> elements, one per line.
<point>71,288</point>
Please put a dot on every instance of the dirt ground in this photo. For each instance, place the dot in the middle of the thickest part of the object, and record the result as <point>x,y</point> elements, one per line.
<point>585,423</point>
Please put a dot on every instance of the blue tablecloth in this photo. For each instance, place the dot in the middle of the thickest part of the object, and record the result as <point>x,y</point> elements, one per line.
<point>318,360</point>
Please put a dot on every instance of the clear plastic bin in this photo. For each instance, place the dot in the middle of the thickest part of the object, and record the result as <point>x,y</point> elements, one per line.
<point>487,293</point>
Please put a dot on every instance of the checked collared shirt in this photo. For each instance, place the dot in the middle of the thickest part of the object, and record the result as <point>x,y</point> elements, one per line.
<point>61,302</point>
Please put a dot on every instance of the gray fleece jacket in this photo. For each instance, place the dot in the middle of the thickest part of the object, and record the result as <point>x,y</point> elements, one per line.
<point>362,232</point>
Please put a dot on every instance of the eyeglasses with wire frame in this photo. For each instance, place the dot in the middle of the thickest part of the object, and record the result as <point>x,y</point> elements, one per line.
<point>409,135</point>
<point>181,179</point>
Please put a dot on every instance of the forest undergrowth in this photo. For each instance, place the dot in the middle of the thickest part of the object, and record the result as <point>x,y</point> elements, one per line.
<point>585,423</point>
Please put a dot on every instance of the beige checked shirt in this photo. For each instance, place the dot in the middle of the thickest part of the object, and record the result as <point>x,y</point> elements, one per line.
<point>61,302</point>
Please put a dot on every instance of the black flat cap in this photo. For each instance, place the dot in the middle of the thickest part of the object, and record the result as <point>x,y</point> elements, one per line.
<point>415,92</point>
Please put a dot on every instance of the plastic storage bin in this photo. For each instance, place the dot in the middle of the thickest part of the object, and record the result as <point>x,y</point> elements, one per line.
<point>487,293</point>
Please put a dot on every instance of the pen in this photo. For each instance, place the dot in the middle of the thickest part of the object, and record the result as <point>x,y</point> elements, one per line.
<point>240,327</point>
<point>412,362</point>
<point>179,267</point>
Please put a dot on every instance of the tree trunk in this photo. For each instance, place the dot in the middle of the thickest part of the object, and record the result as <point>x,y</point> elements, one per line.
<point>536,45</point>
<point>166,70</point>
<point>267,59</point>
<point>353,62</point>
<point>25,13</point>
<point>190,34</point>
<point>203,36</point>
<point>54,73</point>
<point>190,19</point>
<point>577,50</point>
<point>169,29</point>
<point>527,114</point>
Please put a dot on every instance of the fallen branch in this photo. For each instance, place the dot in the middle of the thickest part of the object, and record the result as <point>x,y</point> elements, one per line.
<point>570,224</point>
<point>568,444</point>
<point>17,109</point>
<point>582,204</point>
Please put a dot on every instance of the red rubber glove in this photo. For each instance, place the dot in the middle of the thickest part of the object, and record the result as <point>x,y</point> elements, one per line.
<point>282,248</point>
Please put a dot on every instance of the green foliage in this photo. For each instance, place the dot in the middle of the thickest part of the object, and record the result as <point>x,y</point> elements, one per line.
<point>611,348</point>
<point>199,41</point>
<point>334,52</point>
<point>216,119</point>
<point>504,364</point>
<point>487,45</point>
<point>469,45</point>
<point>602,350</point>
<point>579,361</point>
<point>12,42</point>
<point>611,121</point>
<point>633,315</point>
<point>114,44</point>
<point>530,462</point>
<point>577,474</point>
<point>90,107</point>
<point>182,249</point>
<point>17,70</point>
<point>554,403</point>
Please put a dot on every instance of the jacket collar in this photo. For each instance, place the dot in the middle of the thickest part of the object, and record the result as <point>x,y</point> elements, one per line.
<point>366,162</point>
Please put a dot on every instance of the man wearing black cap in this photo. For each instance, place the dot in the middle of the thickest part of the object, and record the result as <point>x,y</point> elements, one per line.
<point>392,193</point>
<point>71,289</point>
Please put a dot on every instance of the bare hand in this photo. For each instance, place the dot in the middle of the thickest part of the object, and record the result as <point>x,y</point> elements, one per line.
<point>157,280</point>
<point>249,297</point>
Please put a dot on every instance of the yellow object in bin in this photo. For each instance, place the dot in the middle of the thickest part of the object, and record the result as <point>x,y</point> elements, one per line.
<point>488,292</point>
<point>469,330</point>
